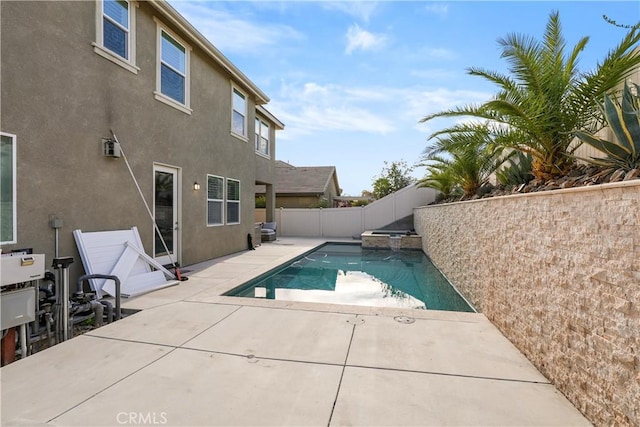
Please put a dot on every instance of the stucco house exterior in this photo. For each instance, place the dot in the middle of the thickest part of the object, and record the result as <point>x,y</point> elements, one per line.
<point>304,186</point>
<point>193,127</point>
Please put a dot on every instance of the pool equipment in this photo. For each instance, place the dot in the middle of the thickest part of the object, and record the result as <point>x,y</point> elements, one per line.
<point>40,304</point>
<point>20,274</point>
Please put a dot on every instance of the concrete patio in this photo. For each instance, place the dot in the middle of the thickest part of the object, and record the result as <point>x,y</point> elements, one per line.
<point>192,357</point>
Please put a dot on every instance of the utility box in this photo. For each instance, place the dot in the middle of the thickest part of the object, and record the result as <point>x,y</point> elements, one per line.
<point>111,148</point>
<point>17,307</point>
<point>21,268</point>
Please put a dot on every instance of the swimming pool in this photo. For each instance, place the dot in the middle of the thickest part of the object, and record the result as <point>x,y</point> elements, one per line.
<point>347,274</point>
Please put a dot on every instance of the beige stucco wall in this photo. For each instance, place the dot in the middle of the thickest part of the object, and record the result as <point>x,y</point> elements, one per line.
<point>559,274</point>
<point>60,98</point>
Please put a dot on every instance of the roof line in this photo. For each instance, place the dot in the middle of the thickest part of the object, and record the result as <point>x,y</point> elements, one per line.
<point>179,21</point>
<point>333,172</point>
<point>270,116</point>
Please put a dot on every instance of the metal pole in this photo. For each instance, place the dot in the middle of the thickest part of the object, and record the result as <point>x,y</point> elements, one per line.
<point>65,304</point>
<point>146,205</point>
<point>62,296</point>
<point>23,339</point>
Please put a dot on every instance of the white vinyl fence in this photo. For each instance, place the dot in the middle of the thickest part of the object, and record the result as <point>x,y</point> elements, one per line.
<point>348,222</point>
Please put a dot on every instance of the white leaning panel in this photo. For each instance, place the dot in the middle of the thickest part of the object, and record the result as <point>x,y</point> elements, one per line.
<point>119,253</point>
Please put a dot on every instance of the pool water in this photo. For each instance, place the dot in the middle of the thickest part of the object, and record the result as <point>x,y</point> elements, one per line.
<point>348,274</point>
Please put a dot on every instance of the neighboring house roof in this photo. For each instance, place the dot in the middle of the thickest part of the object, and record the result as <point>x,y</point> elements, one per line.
<point>303,180</point>
<point>180,22</point>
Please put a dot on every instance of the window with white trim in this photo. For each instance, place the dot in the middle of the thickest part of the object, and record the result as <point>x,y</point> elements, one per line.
<point>115,32</point>
<point>233,201</point>
<point>215,200</point>
<point>262,137</point>
<point>115,27</point>
<point>172,74</point>
<point>239,113</point>
<point>8,220</point>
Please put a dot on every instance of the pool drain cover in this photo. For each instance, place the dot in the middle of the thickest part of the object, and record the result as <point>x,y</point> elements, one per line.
<point>404,319</point>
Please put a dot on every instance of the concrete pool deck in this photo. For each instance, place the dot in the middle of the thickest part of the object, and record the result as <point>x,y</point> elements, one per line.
<point>194,358</point>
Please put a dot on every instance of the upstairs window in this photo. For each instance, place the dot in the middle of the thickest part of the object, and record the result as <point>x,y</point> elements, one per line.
<point>115,32</point>
<point>262,137</point>
<point>115,27</point>
<point>8,222</point>
<point>239,114</point>
<point>172,80</point>
<point>173,68</point>
<point>215,200</point>
<point>233,201</point>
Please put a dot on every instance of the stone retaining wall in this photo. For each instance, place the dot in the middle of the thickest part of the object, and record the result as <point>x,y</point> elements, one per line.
<point>558,273</point>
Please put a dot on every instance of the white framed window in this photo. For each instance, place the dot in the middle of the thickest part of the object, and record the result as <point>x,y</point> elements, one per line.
<point>115,32</point>
<point>215,200</point>
<point>262,138</point>
<point>233,201</point>
<point>172,73</point>
<point>238,113</point>
<point>8,208</point>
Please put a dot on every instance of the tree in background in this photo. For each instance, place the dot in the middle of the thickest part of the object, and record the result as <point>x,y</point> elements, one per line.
<point>393,177</point>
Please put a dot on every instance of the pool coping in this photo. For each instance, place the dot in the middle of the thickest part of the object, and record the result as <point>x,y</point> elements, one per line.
<point>138,302</point>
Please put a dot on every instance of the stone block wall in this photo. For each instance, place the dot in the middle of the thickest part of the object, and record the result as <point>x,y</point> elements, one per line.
<point>558,273</point>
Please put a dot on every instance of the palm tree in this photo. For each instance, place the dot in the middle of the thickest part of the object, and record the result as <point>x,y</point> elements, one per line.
<point>545,97</point>
<point>440,177</point>
<point>468,158</point>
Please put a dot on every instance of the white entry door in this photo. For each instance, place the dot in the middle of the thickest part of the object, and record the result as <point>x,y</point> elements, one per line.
<point>165,212</point>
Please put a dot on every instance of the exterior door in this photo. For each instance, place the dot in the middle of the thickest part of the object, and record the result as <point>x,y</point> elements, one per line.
<point>165,212</point>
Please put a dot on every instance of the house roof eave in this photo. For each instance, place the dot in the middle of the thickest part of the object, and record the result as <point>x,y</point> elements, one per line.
<point>279,125</point>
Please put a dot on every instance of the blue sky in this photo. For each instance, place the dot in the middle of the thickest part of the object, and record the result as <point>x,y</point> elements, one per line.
<point>351,80</point>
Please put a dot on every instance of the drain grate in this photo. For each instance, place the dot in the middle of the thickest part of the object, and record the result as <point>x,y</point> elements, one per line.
<point>404,319</point>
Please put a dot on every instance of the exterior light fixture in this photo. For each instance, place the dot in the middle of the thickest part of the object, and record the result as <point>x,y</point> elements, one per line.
<point>196,186</point>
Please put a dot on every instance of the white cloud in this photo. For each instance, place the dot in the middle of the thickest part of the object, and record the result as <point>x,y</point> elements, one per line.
<point>440,53</point>
<point>361,10</point>
<point>231,34</point>
<point>357,38</point>
<point>438,9</point>
<point>432,74</point>
<point>312,108</point>
<point>422,103</point>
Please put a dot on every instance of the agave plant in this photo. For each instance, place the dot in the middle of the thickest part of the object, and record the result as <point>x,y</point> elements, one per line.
<point>623,118</point>
<point>517,171</point>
